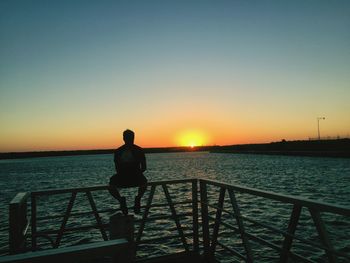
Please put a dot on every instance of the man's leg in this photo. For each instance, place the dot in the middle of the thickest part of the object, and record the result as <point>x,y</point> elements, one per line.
<point>113,190</point>
<point>141,191</point>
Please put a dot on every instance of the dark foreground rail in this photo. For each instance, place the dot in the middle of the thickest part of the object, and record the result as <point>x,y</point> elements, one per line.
<point>201,229</point>
<point>70,254</point>
<point>239,222</point>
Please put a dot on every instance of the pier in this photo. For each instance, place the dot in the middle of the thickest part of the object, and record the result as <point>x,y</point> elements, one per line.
<point>213,221</point>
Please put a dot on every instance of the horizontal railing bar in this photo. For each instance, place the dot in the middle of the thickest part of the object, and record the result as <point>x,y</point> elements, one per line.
<point>45,233</point>
<point>236,230</point>
<point>69,190</point>
<point>105,187</point>
<point>165,204</point>
<point>273,246</point>
<point>162,238</point>
<point>107,211</point>
<point>72,253</point>
<point>216,207</point>
<point>316,245</point>
<point>321,206</point>
<point>76,214</point>
<point>261,224</point>
<point>152,218</point>
<point>255,222</point>
<point>175,181</point>
<point>70,229</point>
<point>263,241</point>
<point>236,253</point>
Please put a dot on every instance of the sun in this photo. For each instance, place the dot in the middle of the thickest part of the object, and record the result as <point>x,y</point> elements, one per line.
<point>191,138</point>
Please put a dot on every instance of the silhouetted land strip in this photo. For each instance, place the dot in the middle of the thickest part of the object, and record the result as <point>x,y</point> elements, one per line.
<point>323,148</point>
<point>317,148</point>
<point>19,155</point>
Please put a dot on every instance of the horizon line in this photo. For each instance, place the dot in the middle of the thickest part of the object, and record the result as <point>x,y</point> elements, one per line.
<point>170,147</point>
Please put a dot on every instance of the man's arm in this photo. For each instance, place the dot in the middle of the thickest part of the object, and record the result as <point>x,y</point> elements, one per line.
<point>143,161</point>
<point>115,162</point>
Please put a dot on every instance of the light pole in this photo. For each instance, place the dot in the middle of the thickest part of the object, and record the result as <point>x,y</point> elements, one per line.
<point>318,126</point>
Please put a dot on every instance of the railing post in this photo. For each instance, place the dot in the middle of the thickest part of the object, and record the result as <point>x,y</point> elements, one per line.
<point>174,215</point>
<point>145,215</point>
<point>321,229</point>
<point>195,215</point>
<point>97,216</point>
<point>220,206</point>
<point>17,222</point>
<point>122,226</point>
<point>65,219</point>
<point>239,221</point>
<point>287,243</point>
<point>33,221</point>
<point>205,219</point>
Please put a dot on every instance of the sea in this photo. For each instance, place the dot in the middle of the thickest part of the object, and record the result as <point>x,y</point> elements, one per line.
<point>319,179</point>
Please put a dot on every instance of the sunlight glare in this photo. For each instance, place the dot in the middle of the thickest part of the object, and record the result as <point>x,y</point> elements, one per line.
<point>191,139</point>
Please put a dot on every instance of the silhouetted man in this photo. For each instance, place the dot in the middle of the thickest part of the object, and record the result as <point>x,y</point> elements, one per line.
<point>130,163</point>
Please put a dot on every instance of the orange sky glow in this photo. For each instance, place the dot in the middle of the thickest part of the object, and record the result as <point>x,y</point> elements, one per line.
<point>178,73</point>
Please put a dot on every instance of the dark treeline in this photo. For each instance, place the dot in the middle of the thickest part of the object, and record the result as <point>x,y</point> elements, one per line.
<point>327,148</point>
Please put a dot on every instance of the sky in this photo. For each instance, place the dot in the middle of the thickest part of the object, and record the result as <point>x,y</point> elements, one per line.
<point>76,74</point>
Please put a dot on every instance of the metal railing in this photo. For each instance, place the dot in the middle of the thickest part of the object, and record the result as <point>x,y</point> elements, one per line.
<point>55,236</point>
<point>210,242</point>
<point>205,230</point>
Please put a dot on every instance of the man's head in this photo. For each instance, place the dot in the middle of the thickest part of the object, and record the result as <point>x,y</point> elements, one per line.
<point>128,137</point>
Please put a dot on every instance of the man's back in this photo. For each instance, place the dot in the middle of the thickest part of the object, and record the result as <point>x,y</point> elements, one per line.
<point>130,162</point>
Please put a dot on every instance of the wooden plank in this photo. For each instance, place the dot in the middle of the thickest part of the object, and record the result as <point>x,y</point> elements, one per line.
<point>97,216</point>
<point>217,222</point>
<point>65,219</point>
<point>287,243</point>
<point>239,221</point>
<point>173,212</point>
<point>69,254</point>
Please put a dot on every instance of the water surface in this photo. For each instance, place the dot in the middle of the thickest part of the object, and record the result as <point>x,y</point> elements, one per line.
<point>321,179</point>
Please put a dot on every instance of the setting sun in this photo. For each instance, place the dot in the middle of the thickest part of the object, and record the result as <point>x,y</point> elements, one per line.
<point>191,138</point>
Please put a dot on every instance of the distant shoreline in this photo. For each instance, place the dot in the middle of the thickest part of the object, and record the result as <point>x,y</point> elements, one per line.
<point>39,154</point>
<point>339,148</point>
<point>324,148</point>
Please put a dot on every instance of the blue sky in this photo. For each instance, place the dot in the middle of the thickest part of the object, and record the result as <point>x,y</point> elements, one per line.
<point>256,71</point>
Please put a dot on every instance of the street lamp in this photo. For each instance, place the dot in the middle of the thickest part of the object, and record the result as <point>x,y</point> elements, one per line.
<point>318,126</point>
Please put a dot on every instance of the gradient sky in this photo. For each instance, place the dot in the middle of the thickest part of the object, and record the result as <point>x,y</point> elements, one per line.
<point>75,74</point>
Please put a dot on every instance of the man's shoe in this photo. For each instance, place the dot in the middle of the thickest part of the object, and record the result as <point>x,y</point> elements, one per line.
<point>123,206</point>
<point>137,206</point>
